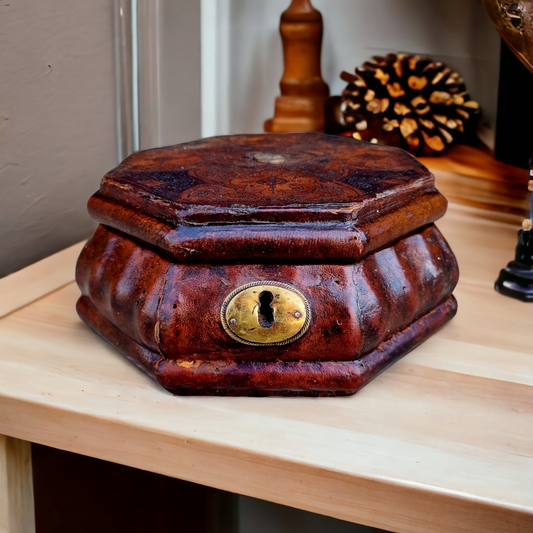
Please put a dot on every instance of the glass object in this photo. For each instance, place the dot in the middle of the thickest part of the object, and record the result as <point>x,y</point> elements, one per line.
<point>514,22</point>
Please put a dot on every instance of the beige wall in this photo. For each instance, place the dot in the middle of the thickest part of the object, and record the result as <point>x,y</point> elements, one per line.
<point>57,122</point>
<point>58,131</point>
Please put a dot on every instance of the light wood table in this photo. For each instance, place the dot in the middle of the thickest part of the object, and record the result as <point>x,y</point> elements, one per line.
<point>440,442</point>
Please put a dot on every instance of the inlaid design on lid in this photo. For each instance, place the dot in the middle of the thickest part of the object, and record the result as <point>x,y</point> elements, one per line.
<point>265,171</point>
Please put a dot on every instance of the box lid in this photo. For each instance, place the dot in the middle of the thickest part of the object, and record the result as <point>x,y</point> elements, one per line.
<point>297,197</point>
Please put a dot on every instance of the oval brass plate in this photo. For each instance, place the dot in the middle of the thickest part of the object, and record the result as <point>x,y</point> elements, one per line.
<point>265,313</point>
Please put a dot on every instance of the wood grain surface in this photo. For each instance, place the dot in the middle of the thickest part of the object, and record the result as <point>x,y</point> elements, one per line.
<point>471,176</point>
<point>33,282</point>
<point>440,442</point>
<point>17,514</point>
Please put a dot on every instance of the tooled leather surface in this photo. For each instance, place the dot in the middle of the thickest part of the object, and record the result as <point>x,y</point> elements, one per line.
<point>174,309</point>
<point>349,224</point>
<point>313,242</point>
<point>330,200</point>
<point>317,378</point>
<point>309,168</point>
<point>267,378</point>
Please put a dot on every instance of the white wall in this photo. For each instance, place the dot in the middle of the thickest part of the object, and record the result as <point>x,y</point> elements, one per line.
<point>457,32</point>
<point>57,122</point>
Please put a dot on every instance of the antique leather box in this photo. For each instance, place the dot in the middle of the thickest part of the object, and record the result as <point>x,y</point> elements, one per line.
<point>283,264</point>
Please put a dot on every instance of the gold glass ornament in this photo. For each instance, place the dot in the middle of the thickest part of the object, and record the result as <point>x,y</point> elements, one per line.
<point>514,21</point>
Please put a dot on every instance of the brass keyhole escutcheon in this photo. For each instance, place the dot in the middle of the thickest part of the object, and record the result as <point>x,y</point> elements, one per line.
<point>265,313</point>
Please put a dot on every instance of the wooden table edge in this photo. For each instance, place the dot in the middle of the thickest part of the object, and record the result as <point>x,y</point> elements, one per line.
<point>299,485</point>
<point>445,507</point>
<point>25,286</point>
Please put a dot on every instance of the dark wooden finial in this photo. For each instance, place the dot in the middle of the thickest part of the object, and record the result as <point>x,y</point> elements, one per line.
<point>303,91</point>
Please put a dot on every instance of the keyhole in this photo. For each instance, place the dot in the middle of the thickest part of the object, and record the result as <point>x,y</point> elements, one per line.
<point>265,315</point>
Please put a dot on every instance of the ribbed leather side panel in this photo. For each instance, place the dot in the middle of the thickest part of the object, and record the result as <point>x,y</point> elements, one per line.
<point>173,309</point>
<point>124,282</point>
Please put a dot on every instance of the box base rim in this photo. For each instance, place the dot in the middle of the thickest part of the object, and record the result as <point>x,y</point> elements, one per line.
<point>227,377</point>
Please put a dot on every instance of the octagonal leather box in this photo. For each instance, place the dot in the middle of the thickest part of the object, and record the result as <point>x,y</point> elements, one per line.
<point>283,264</point>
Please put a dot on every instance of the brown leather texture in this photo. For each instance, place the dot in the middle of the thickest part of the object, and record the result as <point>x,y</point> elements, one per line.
<point>270,378</point>
<point>348,224</point>
<point>303,197</point>
<point>174,309</point>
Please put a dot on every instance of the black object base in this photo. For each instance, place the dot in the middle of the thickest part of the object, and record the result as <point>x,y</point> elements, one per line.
<point>516,281</point>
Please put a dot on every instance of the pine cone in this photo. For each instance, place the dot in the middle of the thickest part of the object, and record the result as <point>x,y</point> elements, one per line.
<point>425,101</point>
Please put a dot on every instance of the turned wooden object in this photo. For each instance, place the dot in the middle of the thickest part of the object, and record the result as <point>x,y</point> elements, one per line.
<point>303,91</point>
